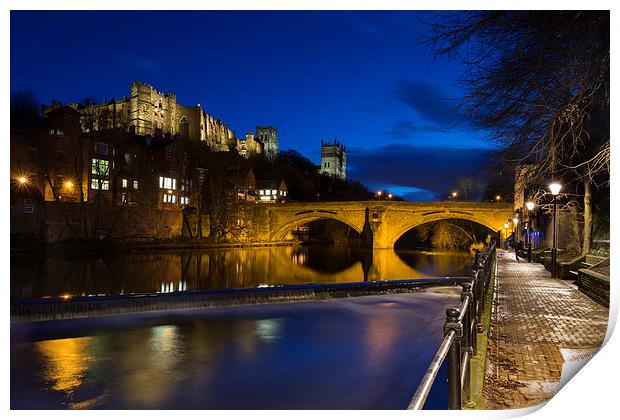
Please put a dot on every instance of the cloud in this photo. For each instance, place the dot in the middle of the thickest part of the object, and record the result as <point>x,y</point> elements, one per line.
<point>423,173</point>
<point>430,103</point>
<point>402,130</point>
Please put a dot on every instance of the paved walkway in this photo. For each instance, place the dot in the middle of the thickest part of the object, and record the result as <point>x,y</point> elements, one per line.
<point>534,316</point>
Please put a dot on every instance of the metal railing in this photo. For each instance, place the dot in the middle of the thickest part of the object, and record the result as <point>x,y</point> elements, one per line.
<point>459,341</point>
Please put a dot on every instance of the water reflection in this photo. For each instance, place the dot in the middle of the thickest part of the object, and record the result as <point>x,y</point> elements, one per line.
<point>219,269</point>
<point>362,353</point>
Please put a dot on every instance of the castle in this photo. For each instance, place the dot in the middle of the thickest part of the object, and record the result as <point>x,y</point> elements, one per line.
<point>334,159</point>
<point>150,111</point>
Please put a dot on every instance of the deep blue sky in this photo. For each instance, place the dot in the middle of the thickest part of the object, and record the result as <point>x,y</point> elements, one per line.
<point>364,78</point>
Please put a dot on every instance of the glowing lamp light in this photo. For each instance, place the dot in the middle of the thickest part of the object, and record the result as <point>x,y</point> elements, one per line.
<point>505,225</point>
<point>454,194</point>
<point>390,195</point>
<point>555,188</point>
<point>515,221</point>
<point>68,184</point>
<point>530,205</point>
<point>379,193</point>
<point>498,197</point>
<point>22,180</point>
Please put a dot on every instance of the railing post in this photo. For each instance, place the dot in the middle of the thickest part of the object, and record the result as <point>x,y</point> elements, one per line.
<point>468,343</point>
<point>454,358</point>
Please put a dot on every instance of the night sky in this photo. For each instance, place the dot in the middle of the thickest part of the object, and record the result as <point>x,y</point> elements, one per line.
<point>364,78</point>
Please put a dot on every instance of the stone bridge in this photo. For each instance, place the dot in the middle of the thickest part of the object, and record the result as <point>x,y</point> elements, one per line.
<point>381,223</point>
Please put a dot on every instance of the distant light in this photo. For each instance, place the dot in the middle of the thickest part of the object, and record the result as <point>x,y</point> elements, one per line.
<point>65,296</point>
<point>22,180</point>
<point>498,197</point>
<point>505,225</point>
<point>379,193</point>
<point>390,195</point>
<point>555,188</point>
<point>68,184</point>
<point>515,221</point>
<point>530,205</point>
<point>454,193</point>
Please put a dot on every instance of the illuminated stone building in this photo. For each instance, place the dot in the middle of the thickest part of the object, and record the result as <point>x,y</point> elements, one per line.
<point>151,111</point>
<point>268,136</point>
<point>334,159</point>
<point>249,146</point>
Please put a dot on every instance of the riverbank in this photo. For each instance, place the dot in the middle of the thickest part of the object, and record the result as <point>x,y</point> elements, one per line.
<point>536,319</point>
<point>116,247</point>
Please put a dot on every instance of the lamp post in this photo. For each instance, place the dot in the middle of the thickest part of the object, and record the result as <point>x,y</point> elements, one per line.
<point>454,194</point>
<point>530,206</point>
<point>555,188</point>
<point>506,235</point>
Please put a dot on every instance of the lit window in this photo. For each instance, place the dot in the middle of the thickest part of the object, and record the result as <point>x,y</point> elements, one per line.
<point>28,206</point>
<point>99,167</point>
<point>124,183</point>
<point>184,200</point>
<point>274,192</point>
<point>135,185</point>
<point>285,193</point>
<point>262,192</point>
<point>169,198</point>
<point>167,183</point>
<point>95,183</point>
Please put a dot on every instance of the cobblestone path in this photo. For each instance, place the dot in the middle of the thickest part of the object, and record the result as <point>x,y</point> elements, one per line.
<point>534,316</point>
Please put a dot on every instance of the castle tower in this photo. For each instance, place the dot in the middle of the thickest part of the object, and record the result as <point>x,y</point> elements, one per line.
<point>268,135</point>
<point>334,159</point>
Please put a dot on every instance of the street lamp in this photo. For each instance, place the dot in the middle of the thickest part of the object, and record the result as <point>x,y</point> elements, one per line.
<point>22,180</point>
<point>68,185</point>
<point>555,188</point>
<point>506,235</point>
<point>530,206</point>
<point>379,194</point>
<point>454,194</point>
<point>390,196</point>
<point>498,197</point>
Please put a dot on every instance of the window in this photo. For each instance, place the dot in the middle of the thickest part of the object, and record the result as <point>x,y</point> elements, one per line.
<point>184,200</point>
<point>274,192</point>
<point>99,167</point>
<point>124,183</point>
<point>28,206</point>
<point>184,127</point>
<point>124,198</point>
<point>57,132</point>
<point>96,182</point>
<point>135,185</point>
<point>169,198</point>
<point>167,183</point>
<point>101,148</point>
<point>262,192</point>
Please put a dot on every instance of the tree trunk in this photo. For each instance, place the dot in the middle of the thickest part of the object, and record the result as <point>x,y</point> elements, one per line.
<point>587,218</point>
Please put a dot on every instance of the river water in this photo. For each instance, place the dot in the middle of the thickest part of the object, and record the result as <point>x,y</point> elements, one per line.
<point>171,271</point>
<point>357,353</point>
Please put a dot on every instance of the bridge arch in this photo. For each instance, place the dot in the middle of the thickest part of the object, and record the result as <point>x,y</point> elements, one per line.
<point>279,233</point>
<point>408,225</point>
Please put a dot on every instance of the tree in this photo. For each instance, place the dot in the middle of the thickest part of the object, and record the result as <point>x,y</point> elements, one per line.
<point>538,83</point>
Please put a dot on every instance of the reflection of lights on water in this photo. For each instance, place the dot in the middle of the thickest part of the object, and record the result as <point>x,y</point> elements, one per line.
<point>268,329</point>
<point>164,340</point>
<point>167,287</point>
<point>68,361</point>
<point>264,285</point>
<point>299,258</point>
<point>65,296</point>
<point>182,286</point>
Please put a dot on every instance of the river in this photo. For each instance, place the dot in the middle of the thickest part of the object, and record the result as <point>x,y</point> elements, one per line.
<point>353,353</point>
<point>172,271</point>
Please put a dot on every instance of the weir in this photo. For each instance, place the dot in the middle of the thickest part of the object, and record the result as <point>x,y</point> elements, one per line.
<point>96,306</point>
